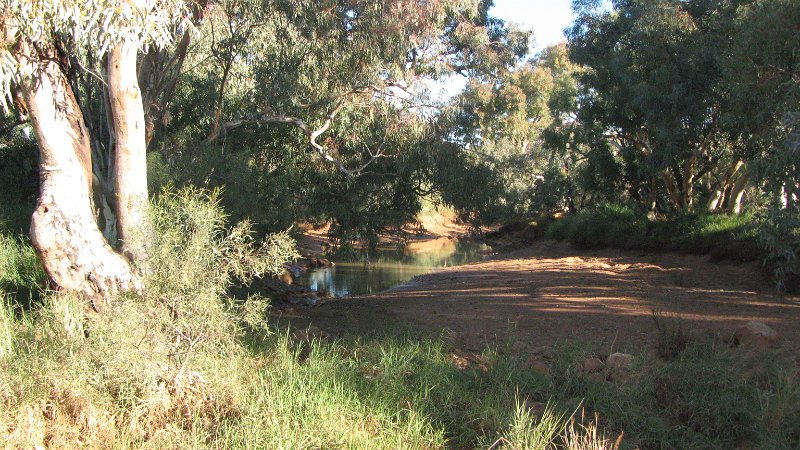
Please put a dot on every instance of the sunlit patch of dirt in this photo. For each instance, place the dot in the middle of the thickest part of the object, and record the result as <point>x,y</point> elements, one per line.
<point>551,292</point>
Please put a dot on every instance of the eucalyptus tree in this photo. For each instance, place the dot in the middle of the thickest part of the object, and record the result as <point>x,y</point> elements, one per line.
<point>654,85</point>
<point>761,72</point>
<point>302,107</point>
<point>101,80</point>
<point>38,41</point>
<point>509,123</point>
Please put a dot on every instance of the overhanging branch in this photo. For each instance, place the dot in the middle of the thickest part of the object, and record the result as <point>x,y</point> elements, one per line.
<point>311,133</point>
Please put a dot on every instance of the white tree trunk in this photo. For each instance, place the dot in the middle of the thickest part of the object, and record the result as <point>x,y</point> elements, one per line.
<point>737,193</point>
<point>130,153</point>
<point>714,201</point>
<point>63,228</point>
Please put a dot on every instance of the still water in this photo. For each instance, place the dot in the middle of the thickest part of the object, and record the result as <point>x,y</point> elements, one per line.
<point>393,268</point>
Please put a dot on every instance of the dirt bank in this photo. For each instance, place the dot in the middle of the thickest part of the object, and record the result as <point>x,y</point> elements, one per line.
<point>551,292</point>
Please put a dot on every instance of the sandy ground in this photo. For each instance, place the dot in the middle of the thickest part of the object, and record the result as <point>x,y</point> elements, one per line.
<point>551,292</point>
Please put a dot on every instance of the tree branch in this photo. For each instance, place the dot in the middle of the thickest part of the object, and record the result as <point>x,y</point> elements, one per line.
<point>311,133</point>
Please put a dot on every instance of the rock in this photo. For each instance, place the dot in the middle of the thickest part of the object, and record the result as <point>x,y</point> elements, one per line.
<point>540,367</point>
<point>318,263</point>
<point>296,270</point>
<point>285,277</point>
<point>756,336</point>
<point>599,377</point>
<point>591,365</point>
<point>619,365</point>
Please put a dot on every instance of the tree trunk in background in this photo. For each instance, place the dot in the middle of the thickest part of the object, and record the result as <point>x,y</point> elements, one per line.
<point>673,190</point>
<point>687,189</point>
<point>734,204</point>
<point>63,229</point>
<point>130,152</point>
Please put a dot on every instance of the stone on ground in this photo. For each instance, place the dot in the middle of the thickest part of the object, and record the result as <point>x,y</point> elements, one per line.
<point>757,336</point>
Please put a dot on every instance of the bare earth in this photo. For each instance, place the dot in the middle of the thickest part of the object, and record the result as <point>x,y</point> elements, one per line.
<point>550,292</point>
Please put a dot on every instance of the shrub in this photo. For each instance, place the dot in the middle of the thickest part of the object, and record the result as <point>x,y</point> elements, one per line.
<point>155,369</point>
<point>527,431</point>
<point>607,225</point>
<point>672,336</point>
<point>723,236</point>
<point>780,237</point>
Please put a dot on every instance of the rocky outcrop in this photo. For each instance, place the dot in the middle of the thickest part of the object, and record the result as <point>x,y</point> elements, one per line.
<point>279,292</point>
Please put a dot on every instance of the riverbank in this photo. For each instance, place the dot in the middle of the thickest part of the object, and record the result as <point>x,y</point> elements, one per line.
<point>669,350</point>
<point>551,292</point>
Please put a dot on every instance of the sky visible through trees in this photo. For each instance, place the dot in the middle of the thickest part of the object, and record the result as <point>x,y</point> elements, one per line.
<point>547,19</point>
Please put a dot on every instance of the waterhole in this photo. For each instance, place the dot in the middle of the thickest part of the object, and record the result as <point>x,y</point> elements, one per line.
<point>390,268</point>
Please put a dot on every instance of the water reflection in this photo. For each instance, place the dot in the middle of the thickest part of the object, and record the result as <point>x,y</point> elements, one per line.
<point>392,268</point>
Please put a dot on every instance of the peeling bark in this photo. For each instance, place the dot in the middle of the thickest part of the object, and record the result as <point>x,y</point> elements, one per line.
<point>687,190</point>
<point>672,189</point>
<point>714,201</point>
<point>130,152</point>
<point>63,228</point>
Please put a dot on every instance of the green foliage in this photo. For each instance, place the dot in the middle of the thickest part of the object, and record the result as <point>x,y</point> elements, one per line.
<point>780,237</point>
<point>455,174</point>
<point>191,251</point>
<point>551,192</point>
<point>164,364</point>
<point>672,335</point>
<point>94,26</point>
<point>706,396</point>
<point>19,177</point>
<point>608,225</point>
<point>529,432</point>
<point>6,327</point>
<point>727,236</point>
<point>345,72</point>
<point>125,372</point>
<point>508,125</point>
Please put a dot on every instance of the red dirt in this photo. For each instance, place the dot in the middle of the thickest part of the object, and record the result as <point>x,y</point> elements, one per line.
<point>551,292</point>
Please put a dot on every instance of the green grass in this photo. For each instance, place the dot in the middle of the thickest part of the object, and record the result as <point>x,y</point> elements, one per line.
<point>185,367</point>
<point>21,276</point>
<point>386,392</point>
<point>723,236</point>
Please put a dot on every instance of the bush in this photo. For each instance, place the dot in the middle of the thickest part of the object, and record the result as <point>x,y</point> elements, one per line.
<point>722,236</point>
<point>155,369</point>
<point>171,370</point>
<point>780,237</point>
<point>608,225</point>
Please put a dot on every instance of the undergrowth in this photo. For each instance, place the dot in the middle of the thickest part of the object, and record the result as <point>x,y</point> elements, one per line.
<point>184,367</point>
<point>21,276</point>
<point>733,237</point>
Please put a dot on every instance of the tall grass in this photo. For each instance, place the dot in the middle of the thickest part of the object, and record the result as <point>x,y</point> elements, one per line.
<point>21,275</point>
<point>182,367</point>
